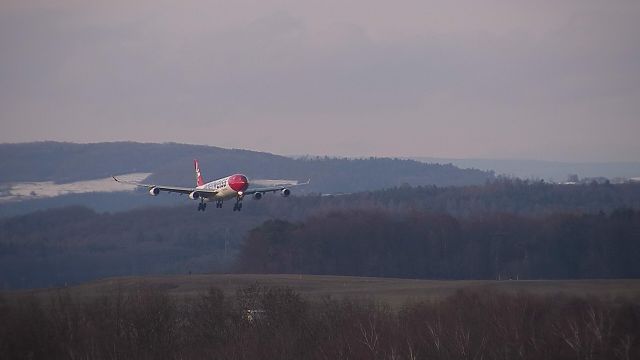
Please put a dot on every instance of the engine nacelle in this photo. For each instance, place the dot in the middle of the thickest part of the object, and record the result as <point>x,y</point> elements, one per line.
<point>154,191</point>
<point>257,196</point>
<point>285,192</point>
<point>194,195</point>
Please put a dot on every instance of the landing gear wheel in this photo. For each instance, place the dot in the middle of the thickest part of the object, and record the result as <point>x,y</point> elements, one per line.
<point>202,206</point>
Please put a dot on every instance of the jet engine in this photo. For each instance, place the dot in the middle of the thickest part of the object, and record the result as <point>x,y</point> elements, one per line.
<point>257,196</point>
<point>286,192</point>
<point>194,195</point>
<point>154,191</point>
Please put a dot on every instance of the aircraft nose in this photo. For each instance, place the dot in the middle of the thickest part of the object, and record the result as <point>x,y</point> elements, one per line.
<point>238,182</point>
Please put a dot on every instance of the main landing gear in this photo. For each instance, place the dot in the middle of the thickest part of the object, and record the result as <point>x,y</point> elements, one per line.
<point>202,206</point>
<point>238,205</point>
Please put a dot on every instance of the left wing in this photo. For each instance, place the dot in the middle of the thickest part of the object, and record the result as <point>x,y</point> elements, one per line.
<point>170,189</point>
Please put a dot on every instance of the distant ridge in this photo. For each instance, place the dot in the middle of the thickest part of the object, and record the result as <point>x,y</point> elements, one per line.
<point>556,171</point>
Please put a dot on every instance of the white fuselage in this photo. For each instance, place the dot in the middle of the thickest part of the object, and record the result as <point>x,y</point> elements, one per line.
<point>223,188</point>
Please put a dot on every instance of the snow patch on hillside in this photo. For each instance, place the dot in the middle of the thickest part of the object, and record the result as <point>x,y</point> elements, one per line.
<point>38,190</point>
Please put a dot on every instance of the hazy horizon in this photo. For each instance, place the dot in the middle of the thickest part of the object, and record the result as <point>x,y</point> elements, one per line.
<point>466,80</point>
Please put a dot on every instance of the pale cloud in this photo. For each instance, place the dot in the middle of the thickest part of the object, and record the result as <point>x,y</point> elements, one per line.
<point>544,79</point>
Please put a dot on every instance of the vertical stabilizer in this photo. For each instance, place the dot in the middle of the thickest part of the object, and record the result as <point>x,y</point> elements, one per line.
<point>199,179</point>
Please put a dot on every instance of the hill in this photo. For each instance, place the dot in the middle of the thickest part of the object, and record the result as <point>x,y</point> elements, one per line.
<point>172,163</point>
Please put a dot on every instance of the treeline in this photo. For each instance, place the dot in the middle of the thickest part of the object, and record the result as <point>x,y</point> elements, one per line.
<point>437,246</point>
<point>276,323</point>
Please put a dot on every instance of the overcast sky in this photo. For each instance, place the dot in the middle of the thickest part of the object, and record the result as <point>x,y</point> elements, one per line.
<point>554,80</point>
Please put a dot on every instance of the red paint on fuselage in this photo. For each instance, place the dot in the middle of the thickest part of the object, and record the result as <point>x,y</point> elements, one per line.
<point>238,182</point>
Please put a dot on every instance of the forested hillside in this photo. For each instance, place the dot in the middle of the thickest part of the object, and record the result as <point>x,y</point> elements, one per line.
<point>76,244</point>
<point>531,198</point>
<point>505,228</point>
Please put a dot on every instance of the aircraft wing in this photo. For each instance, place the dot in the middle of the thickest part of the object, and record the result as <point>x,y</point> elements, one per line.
<point>274,188</point>
<point>171,189</point>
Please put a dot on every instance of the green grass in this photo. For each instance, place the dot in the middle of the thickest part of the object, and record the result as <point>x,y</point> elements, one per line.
<point>392,291</point>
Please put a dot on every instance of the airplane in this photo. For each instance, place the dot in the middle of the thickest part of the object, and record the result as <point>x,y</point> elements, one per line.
<point>233,186</point>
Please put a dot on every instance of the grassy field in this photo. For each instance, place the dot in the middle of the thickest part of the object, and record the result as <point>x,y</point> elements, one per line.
<point>393,291</point>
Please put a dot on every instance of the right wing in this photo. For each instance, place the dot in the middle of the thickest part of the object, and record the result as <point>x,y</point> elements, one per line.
<point>171,189</point>
<point>275,188</point>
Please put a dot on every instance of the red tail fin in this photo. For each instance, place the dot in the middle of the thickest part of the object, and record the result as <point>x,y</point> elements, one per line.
<point>199,179</point>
